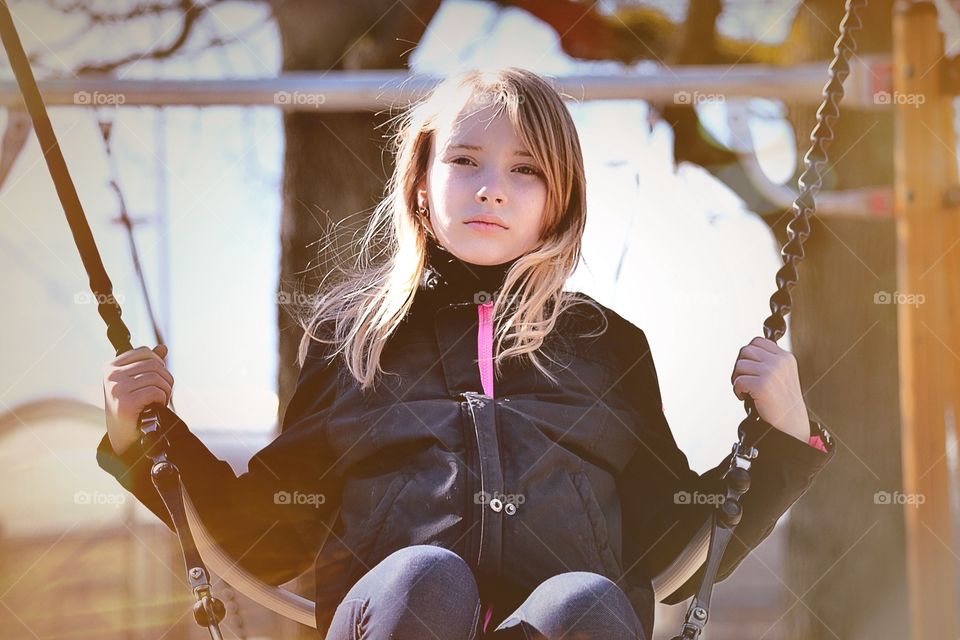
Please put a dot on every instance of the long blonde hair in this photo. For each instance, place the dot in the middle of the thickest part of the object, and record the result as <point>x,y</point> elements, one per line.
<point>369,301</point>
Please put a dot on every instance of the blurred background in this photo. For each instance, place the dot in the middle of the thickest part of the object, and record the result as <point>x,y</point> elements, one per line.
<point>202,143</point>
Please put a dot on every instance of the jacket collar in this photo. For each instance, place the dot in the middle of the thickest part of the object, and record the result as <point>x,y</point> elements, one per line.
<point>455,280</point>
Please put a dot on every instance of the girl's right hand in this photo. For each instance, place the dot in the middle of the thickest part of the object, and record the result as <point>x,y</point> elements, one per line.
<point>131,381</point>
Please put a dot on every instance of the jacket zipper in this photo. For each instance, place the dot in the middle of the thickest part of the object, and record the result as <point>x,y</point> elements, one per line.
<point>485,346</point>
<point>485,362</point>
<point>473,496</point>
<point>482,458</point>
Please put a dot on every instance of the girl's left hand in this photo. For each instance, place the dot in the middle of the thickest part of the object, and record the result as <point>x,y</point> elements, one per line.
<point>770,376</point>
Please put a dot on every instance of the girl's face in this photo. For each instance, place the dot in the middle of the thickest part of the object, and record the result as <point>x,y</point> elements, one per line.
<point>475,170</point>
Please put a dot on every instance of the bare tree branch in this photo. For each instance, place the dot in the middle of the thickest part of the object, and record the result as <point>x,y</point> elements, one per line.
<point>95,17</point>
<point>215,41</point>
<point>191,15</point>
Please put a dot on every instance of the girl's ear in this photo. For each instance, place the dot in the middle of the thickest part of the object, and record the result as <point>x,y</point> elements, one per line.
<point>421,196</point>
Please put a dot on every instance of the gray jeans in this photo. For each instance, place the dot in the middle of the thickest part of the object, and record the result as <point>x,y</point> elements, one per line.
<point>425,592</point>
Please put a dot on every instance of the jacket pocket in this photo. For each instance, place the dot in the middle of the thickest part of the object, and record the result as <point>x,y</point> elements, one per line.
<point>598,523</point>
<point>372,526</point>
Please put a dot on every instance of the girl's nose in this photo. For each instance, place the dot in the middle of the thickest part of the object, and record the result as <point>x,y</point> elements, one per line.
<point>486,194</point>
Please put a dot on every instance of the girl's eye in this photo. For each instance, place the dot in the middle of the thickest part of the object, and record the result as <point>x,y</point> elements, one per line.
<point>531,171</point>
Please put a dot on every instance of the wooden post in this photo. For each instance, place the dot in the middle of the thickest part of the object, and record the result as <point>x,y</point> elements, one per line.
<point>928,279</point>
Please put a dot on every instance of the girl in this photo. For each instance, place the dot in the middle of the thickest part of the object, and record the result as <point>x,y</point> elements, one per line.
<point>512,475</point>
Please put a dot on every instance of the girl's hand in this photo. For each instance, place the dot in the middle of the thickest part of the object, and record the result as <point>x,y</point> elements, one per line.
<point>132,381</point>
<point>770,376</point>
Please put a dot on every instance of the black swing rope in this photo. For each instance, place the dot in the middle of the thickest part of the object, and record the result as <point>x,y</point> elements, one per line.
<point>208,610</point>
<point>728,514</point>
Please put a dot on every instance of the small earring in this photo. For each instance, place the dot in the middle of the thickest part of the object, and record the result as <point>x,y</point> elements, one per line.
<point>425,213</point>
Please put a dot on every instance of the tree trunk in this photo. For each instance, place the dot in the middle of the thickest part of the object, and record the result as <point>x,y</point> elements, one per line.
<point>335,167</point>
<point>334,164</point>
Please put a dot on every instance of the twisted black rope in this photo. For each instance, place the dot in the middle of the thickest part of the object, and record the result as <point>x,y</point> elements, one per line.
<point>208,611</point>
<point>753,427</point>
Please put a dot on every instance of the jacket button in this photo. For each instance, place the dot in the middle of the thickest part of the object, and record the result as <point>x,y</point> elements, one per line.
<point>496,504</point>
<point>510,508</point>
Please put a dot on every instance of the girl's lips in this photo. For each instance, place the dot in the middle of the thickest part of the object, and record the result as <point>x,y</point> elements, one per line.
<point>485,226</point>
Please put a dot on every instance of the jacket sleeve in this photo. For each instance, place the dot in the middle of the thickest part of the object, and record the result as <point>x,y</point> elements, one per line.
<point>664,502</point>
<point>270,519</point>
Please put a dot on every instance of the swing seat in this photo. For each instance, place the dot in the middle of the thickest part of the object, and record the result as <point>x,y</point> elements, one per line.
<point>296,607</point>
<point>277,599</point>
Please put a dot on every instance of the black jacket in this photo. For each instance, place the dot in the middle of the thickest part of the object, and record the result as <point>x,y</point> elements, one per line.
<point>588,467</point>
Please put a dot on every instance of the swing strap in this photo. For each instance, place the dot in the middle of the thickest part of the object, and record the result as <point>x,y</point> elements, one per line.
<point>726,517</point>
<point>208,610</point>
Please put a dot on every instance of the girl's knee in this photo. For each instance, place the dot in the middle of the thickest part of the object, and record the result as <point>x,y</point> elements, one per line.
<point>420,591</point>
<point>574,587</point>
<point>582,602</point>
<point>424,570</point>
